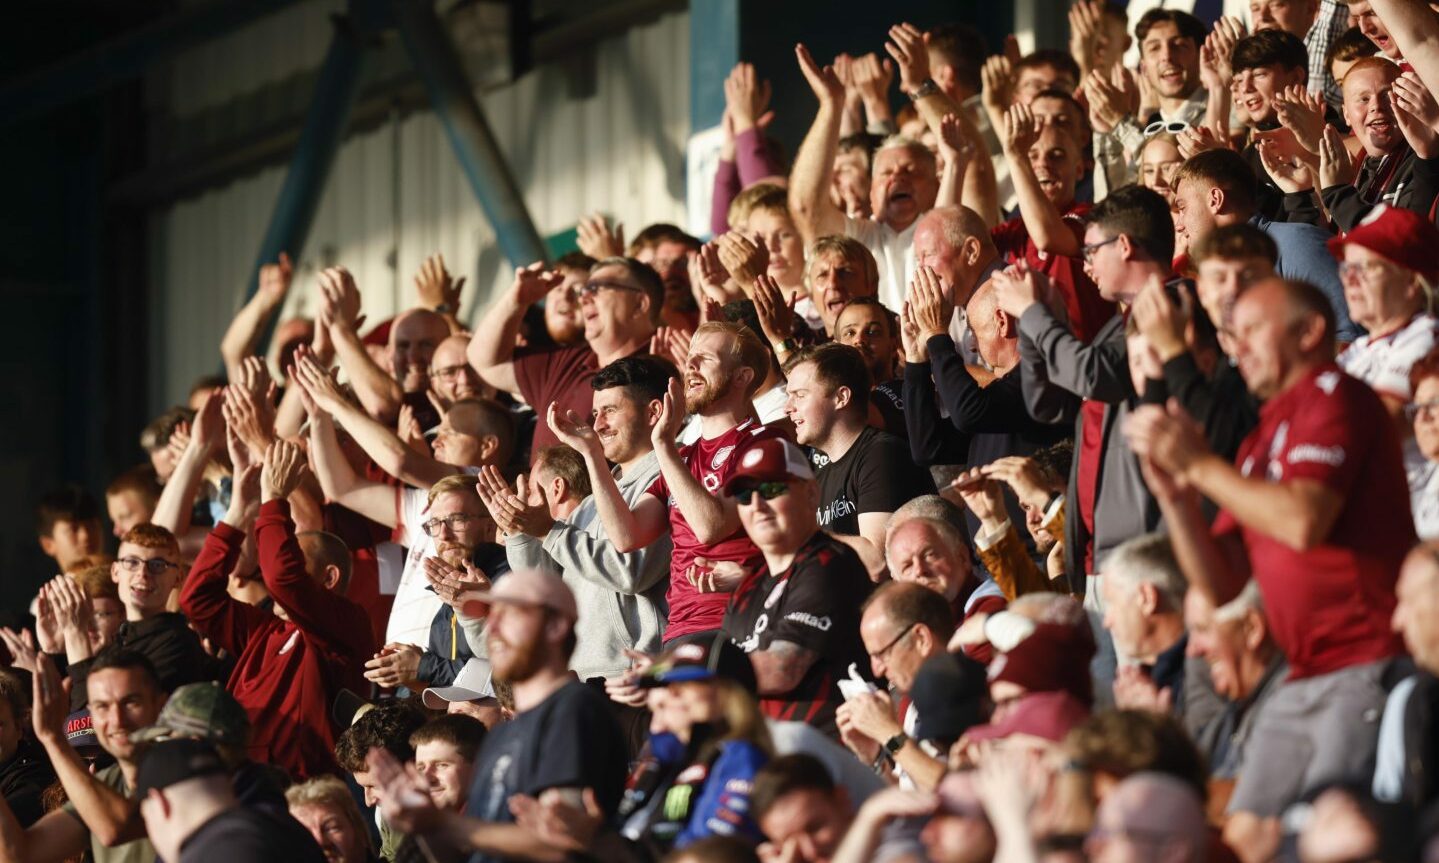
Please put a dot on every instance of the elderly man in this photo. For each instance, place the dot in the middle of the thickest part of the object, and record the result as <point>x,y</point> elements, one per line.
<point>725,366</point>
<point>1389,274</point>
<point>629,397</point>
<point>325,807</point>
<point>1406,769</point>
<point>1245,667</point>
<point>796,614</point>
<point>864,474</point>
<point>932,554</point>
<point>956,244</point>
<point>1316,505</point>
<point>621,305</point>
<point>1143,591</point>
<point>902,625</point>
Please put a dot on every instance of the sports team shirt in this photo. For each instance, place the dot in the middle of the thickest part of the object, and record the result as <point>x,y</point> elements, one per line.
<point>1087,310</point>
<point>815,604</point>
<point>1383,361</point>
<point>711,461</point>
<point>1329,606</point>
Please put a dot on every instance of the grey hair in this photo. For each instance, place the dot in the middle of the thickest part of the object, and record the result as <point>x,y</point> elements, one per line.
<point>1149,559</point>
<point>948,534</point>
<point>904,142</point>
<point>930,506</point>
<point>1249,599</point>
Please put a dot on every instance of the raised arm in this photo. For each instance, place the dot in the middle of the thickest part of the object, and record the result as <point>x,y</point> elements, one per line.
<point>244,331</point>
<point>177,499</point>
<point>338,479</point>
<point>629,529</point>
<point>814,213</point>
<point>712,518</point>
<point>1098,370</point>
<point>376,388</point>
<point>492,347</point>
<point>1045,224</point>
<point>1413,26</point>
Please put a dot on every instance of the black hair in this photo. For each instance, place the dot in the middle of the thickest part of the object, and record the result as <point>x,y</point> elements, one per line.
<point>645,377</point>
<point>1140,214</point>
<point>70,503</point>
<point>1270,48</point>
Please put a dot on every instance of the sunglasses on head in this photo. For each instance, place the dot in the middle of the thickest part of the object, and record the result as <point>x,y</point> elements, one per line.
<point>767,490</point>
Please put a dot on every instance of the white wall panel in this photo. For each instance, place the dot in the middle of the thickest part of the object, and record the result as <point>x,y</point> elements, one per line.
<point>397,194</point>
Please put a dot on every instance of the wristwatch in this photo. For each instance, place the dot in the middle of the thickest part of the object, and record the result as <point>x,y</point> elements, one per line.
<point>443,309</point>
<point>788,346</point>
<point>896,743</point>
<point>928,88</point>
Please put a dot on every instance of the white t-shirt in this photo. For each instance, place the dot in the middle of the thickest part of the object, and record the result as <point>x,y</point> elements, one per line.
<point>893,251</point>
<point>1383,362</point>
<point>415,604</point>
<point>1423,476</point>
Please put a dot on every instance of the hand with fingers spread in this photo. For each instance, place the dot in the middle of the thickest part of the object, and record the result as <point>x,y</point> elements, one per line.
<point>715,576</point>
<point>708,276</point>
<point>597,239</point>
<point>671,343</point>
<point>1017,288</point>
<point>1024,476</point>
<point>984,496</point>
<point>1215,68</point>
<point>873,77</point>
<point>207,434</point>
<point>342,298</point>
<point>395,665</point>
<point>1288,171</point>
<point>524,511</point>
<point>745,259</point>
<point>625,688</point>
<point>1021,131</point>
<point>404,795</point>
<point>958,151</point>
<point>672,416</point>
<point>776,316</point>
<point>319,384</point>
<point>1302,113</point>
<point>996,85</point>
<point>906,46</point>
<point>436,288</point>
<point>1336,166</point>
<point>930,304</point>
<point>746,97</point>
<point>50,705</point>
<point>48,632</point>
<point>533,282</point>
<point>244,497</point>
<point>284,468</point>
<point>275,280</point>
<point>1106,105</point>
<point>455,586</point>
<point>242,418</point>
<point>23,650</point>
<point>1417,113</point>
<point>1199,139</point>
<point>1086,27</point>
<point>71,608</point>
<point>827,87</point>
<point>574,432</point>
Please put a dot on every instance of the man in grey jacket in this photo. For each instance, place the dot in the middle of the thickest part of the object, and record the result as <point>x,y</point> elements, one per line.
<point>621,593</point>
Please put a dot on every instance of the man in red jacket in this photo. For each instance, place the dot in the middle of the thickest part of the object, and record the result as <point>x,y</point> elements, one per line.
<point>298,639</point>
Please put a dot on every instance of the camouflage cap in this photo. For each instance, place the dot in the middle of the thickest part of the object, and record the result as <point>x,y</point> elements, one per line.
<point>203,710</point>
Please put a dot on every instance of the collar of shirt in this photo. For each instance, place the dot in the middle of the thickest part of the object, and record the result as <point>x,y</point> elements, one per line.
<point>1285,403</point>
<point>132,629</point>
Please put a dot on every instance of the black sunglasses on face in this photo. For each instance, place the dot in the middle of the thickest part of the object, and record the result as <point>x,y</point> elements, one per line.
<point>766,490</point>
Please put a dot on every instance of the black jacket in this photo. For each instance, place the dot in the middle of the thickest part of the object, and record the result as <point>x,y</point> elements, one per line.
<point>1222,405</point>
<point>1412,184</point>
<point>167,641</point>
<point>23,779</point>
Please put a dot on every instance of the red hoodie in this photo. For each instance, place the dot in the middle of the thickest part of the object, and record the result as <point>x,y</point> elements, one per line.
<point>288,670</point>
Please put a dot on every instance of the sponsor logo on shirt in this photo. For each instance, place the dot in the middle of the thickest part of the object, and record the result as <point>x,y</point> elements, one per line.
<point>1327,382</point>
<point>1313,453</point>
<point>821,623</point>
<point>721,455</point>
<point>840,508</point>
<point>751,643</point>
<point>711,483</point>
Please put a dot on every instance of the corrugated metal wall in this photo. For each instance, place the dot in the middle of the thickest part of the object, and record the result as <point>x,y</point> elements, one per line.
<point>397,194</point>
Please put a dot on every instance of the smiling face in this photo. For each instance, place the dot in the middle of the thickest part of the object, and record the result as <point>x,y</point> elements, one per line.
<point>1369,108</point>
<point>447,771</point>
<point>121,701</point>
<point>905,185</point>
<point>1254,90</point>
<point>1158,161</point>
<point>1055,160</point>
<point>144,593</point>
<point>1170,61</point>
<point>777,233</point>
<point>562,308</point>
<point>451,375</point>
<point>784,523</point>
<point>456,544</point>
<point>611,314</point>
<point>622,424</point>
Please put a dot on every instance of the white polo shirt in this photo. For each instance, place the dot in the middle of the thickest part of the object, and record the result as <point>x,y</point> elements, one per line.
<point>1383,361</point>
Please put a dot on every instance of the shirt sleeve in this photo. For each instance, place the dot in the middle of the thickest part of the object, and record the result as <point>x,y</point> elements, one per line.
<point>1323,443</point>
<point>810,613</point>
<point>411,503</point>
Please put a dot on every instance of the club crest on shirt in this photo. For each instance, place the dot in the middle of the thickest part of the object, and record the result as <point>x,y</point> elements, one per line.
<point>774,595</point>
<point>721,455</point>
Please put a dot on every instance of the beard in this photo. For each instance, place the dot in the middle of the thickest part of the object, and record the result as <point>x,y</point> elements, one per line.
<point>523,663</point>
<point>706,397</point>
<point>454,553</point>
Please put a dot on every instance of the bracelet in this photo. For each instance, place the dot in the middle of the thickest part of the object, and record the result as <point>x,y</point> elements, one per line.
<point>928,88</point>
<point>788,346</point>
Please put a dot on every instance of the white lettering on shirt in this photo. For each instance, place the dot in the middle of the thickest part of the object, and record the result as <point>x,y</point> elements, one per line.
<point>1313,453</point>
<point>836,509</point>
<point>821,623</point>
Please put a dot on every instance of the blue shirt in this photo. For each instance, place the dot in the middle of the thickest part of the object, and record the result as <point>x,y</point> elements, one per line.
<point>1304,257</point>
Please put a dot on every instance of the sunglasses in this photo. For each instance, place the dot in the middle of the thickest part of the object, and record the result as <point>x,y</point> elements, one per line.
<point>766,490</point>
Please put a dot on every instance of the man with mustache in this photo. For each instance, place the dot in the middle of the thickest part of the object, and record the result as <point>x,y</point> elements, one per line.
<point>726,364</point>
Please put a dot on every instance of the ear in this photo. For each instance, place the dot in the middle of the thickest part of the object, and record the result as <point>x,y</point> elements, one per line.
<point>559,488</point>
<point>115,572</point>
<point>1255,630</point>
<point>971,250</point>
<point>1125,246</point>
<point>330,578</point>
<point>843,398</point>
<point>1007,329</point>
<point>1311,332</point>
<point>653,411</point>
<point>47,545</point>
<point>1148,598</point>
<point>489,445</point>
<point>1215,200</point>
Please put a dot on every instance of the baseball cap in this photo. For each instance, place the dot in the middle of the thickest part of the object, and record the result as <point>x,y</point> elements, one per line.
<point>80,733</point>
<point>173,761</point>
<point>769,460</point>
<point>1054,657</point>
<point>1047,715</point>
<point>948,696</point>
<point>202,710</point>
<point>475,681</point>
<point>1403,236</point>
<point>709,657</point>
<point>526,587</point>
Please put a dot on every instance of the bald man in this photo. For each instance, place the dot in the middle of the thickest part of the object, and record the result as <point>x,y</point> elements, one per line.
<point>1149,816</point>
<point>1405,767</point>
<point>452,377</point>
<point>955,243</point>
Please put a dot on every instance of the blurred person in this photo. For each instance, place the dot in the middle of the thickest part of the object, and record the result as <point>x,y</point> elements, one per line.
<point>1045,69</point>
<point>191,815</point>
<point>387,727</point>
<point>666,249</point>
<point>25,770</point>
<point>864,474</point>
<point>1364,16</point>
<point>800,808</point>
<point>67,522</point>
<point>1149,816</point>
<point>959,831</point>
<point>130,498</point>
<point>1143,591</point>
<point>998,544</point>
<point>295,654</point>
<point>620,305</point>
<point>473,693</point>
<point>1421,455</point>
<point>1319,23</point>
<point>1113,745</point>
<point>1228,260</point>
<point>452,378</point>
<point>564,317</point>
<point>1405,769</point>
<point>155,439</point>
<point>325,807</point>
<point>838,269</point>
<point>866,325</point>
<point>1348,47</point>
<point>768,223</point>
<point>107,612</point>
<point>796,612</point>
<point>1216,188</point>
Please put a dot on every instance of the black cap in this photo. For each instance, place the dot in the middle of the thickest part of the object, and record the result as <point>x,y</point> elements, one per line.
<point>709,657</point>
<point>172,761</point>
<point>948,696</point>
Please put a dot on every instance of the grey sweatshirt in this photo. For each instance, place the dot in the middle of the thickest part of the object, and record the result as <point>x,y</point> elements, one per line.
<point>621,596</point>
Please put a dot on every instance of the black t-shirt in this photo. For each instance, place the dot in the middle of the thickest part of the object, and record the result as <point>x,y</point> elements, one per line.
<point>242,835</point>
<point>876,474</point>
<point>569,740</point>
<point>888,401</point>
<point>814,604</point>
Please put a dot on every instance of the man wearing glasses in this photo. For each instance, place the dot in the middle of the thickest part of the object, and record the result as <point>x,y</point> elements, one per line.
<point>797,613</point>
<point>620,305</point>
<point>147,570</point>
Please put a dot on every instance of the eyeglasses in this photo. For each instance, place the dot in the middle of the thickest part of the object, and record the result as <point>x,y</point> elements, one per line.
<point>448,372</point>
<point>1427,410</point>
<point>1366,271</point>
<point>589,289</point>
<point>883,651</point>
<point>1088,249</point>
<point>154,566</point>
<point>766,490</point>
<point>1173,127</point>
<point>433,527</point>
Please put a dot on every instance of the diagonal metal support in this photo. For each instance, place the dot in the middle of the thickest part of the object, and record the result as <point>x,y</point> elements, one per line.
<point>455,104</point>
